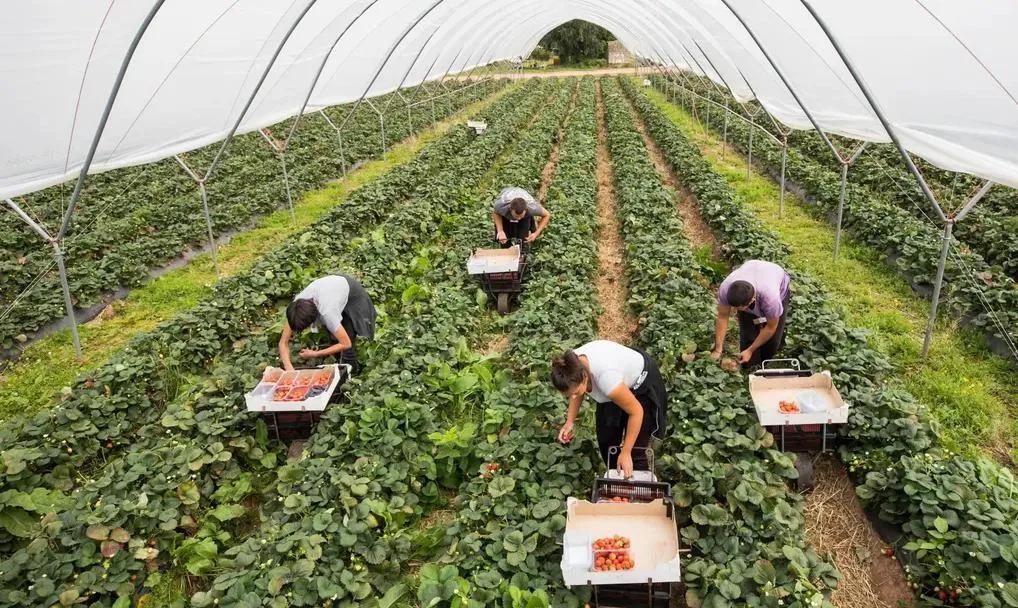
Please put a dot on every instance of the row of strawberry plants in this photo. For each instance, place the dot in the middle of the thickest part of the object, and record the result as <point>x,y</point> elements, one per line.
<point>990,227</point>
<point>104,408</point>
<point>503,544</point>
<point>872,218</point>
<point>957,516</point>
<point>373,469</point>
<point>193,475</point>
<point>134,219</point>
<point>738,514</point>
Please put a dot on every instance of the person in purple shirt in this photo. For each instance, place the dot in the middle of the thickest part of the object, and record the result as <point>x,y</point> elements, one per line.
<point>760,292</point>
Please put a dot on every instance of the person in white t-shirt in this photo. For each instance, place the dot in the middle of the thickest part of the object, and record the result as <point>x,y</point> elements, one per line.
<point>631,398</point>
<point>337,304</point>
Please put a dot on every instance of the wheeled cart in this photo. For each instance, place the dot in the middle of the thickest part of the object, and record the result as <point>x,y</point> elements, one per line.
<point>646,518</point>
<point>290,418</point>
<point>502,273</point>
<point>806,433</point>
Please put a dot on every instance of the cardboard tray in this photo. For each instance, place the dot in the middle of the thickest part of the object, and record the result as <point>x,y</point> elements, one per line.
<point>768,391</point>
<point>257,402</point>
<point>486,261</point>
<point>653,535</point>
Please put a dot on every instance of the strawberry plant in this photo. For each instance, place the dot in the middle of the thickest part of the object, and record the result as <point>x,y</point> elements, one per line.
<point>744,524</point>
<point>135,219</point>
<point>957,516</point>
<point>912,245</point>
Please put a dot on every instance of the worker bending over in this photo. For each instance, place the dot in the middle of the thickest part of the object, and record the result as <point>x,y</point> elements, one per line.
<point>514,216</point>
<point>760,292</point>
<point>631,398</point>
<point>339,304</point>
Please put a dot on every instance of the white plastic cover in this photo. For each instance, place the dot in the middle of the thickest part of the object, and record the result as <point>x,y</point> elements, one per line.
<point>942,71</point>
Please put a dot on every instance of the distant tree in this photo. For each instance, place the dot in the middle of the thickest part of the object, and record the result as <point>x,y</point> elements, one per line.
<point>577,40</point>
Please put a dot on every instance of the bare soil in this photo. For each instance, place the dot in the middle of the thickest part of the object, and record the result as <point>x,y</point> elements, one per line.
<point>837,527</point>
<point>616,321</point>
<point>697,232</point>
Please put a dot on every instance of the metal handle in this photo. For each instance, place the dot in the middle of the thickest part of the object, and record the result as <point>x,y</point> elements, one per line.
<point>794,363</point>
<point>614,451</point>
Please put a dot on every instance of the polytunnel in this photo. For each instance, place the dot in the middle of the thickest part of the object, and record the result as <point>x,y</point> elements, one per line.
<point>95,85</point>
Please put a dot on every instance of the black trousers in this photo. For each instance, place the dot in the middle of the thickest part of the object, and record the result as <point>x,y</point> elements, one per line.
<point>518,230</point>
<point>612,420</point>
<point>749,330</point>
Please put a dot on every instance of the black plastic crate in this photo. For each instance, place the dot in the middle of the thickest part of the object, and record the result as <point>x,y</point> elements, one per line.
<point>291,426</point>
<point>635,491</point>
<point>656,595</point>
<point>803,437</point>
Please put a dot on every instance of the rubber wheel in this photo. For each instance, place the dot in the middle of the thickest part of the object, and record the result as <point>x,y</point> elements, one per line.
<point>804,464</point>
<point>502,303</point>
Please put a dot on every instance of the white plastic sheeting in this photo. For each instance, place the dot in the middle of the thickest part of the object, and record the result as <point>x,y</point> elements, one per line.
<point>942,71</point>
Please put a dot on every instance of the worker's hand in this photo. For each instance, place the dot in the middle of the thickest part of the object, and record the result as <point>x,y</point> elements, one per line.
<point>746,355</point>
<point>500,237</point>
<point>288,366</point>
<point>308,353</point>
<point>626,463</point>
<point>565,434</point>
<point>533,236</point>
<point>716,353</point>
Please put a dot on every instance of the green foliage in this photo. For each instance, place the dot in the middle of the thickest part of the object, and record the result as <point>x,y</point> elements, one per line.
<point>577,40</point>
<point>958,515</point>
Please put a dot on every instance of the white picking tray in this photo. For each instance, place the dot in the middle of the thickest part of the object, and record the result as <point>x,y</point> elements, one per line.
<point>653,536</point>
<point>259,399</point>
<point>768,391</point>
<point>485,261</point>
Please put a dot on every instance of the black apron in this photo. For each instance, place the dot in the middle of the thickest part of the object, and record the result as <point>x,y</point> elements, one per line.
<point>359,311</point>
<point>649,389</point>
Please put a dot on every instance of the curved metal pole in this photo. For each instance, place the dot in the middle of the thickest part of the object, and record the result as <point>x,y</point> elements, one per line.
<point>321,67</point>
<point>385,61</point>
<point>784,80</point>
<point>876,110</point>
<point>258,86</point>
<point>76,194</point>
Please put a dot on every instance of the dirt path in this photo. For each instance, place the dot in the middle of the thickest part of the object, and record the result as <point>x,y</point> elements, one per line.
<point>837,527</point>
<point>616,321</point>
<point>697,232</point>
<point>548,174</point>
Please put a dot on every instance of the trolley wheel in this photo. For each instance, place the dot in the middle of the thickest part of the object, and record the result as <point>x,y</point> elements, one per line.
<point>502,303</point>
<point>804,464</point>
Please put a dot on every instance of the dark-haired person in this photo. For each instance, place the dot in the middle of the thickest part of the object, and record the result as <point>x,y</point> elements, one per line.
<point>340,305</point>
<point>760,292</point>
<point>514,213</point>
<point>631,398</point>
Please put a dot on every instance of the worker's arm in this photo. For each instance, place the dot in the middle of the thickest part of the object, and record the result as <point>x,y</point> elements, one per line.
<point>766,333</point>
<point>284,346</point>
<point>541,224</point>
<point>499,228</point>
<point>625,399</point>
<point>720,329</point>
<point>343,343</point>
<point>565,434</point>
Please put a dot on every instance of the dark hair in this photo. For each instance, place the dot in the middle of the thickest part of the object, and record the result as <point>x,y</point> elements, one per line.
<point>567,371</point>
<point>300,314</point>
<point>517,205</point>
<point>740,293</point>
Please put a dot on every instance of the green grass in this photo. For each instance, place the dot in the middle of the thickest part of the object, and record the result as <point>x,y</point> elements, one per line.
<point>968,390</point>
<point>49,365</point>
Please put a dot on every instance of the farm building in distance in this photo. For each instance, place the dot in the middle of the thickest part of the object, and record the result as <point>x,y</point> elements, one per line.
<point>618,54</point>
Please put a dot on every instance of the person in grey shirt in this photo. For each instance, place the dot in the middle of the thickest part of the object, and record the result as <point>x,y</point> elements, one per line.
<point>514,212</point>
<point>337,303</point>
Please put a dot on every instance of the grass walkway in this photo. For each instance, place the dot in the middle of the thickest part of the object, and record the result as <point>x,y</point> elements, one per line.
<point>49,365</point>
<point>970,391</point>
